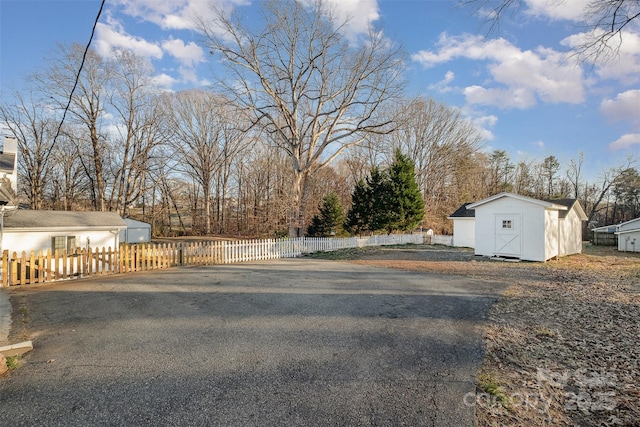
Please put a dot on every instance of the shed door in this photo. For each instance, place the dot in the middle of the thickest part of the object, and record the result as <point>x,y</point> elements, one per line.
<point>508,235</point>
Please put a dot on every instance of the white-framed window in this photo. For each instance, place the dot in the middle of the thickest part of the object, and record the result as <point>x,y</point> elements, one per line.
<point>507,224</point>
<point>63,243</point>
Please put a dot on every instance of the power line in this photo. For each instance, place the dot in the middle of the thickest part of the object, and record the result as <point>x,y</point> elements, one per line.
<point>75,84</point>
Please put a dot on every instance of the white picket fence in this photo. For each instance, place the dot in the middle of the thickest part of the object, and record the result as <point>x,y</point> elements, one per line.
<point>257,250</point>
<point>438,239</point>
<point>25,268</point>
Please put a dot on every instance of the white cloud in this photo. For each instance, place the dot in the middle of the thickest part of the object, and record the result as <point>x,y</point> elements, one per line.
<point>175,14</point>
<point>506,98</point>
<point>164,81</point>
<point>183,14</point>
<point>443,85</point>
<point>359,14</point>
<point>188,55</point>
<point>484,125</point>
<point>188,74</point>
<point>571,10</point>
<point>625,106</point>
<point>538,144</point>
<point>624,67</point>
<point>111,36</point>
<point>625,141</point>
<point>522,77</point>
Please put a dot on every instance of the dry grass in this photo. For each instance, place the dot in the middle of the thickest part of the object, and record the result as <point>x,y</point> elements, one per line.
<point>562,345</point>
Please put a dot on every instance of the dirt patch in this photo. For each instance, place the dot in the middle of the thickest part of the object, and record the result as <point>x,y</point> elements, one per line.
<point>562,345</point>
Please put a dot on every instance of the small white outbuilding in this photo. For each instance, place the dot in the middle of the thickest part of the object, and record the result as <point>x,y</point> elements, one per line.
<point>464,227</point>
<point>629,236</point>
<point>136,232</point>
<point>515,226</point>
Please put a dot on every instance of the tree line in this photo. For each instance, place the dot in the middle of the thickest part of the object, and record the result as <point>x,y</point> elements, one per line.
<point>299,112</point>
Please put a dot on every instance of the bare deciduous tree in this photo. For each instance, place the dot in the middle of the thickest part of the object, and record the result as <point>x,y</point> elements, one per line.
<point>205,131</point>
<point>604,23</point>
<point>138,128</point>
<point>440,142</point>
<point>69,180</point>
<point>574,174</point>
<point>33,125</point>
<point>306,86</point>
<point>87,107</point>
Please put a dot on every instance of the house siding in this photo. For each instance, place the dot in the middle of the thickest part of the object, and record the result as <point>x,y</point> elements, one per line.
<point>18,241</point>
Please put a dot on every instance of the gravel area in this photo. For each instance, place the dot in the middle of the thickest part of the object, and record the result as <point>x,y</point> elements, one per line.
<point>562,346</point>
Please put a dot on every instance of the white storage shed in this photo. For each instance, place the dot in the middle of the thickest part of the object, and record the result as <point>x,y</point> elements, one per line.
<point>136,232</point>
<point>464,227</point>
<point>511,225</point>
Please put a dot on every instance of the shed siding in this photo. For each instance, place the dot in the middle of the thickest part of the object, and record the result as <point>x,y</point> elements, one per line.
<point>534,239</point>
<point>532,227</point>
<point>551,235</point>
<point>570,239</point>
<point>464,232</point>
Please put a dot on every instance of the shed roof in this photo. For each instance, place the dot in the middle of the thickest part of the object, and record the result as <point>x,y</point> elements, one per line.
<point>134,223</point>
<point>545,204</point>
<point>30,219</point>
<point>570,204</point>
<point>463,212</point>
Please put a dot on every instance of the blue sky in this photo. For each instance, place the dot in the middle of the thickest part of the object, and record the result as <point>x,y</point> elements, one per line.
<point>518,84</point>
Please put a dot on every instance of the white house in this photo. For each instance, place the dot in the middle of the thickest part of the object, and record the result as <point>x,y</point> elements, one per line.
<point>136,232</point>
<point>464,227</point>
<point>629,236</point>
<point>9,161</point>
<point>512,225</point>
<point>28,230</point>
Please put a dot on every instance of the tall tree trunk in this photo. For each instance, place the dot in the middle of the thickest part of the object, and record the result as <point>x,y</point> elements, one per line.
<point>97,164</point>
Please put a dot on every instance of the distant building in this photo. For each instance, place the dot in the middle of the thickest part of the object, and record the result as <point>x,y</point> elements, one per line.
<point>9,162</point>
<point>629,236</point>
<point>136,232</point>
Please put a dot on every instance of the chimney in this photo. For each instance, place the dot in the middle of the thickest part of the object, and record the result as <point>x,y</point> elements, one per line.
<point>10,145</point>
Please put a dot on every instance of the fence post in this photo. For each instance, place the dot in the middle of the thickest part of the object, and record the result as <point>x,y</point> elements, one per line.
<point>5,268</point>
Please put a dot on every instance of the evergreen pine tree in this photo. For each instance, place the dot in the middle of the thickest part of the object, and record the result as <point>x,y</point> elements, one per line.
<point>330,219</point>
<point>379,193</point>
<point>405,204</point>
<point>359,214</point>
<point>315,228</point>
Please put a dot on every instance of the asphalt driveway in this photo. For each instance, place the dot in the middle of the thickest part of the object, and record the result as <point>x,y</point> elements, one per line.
<point>288,342</point>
